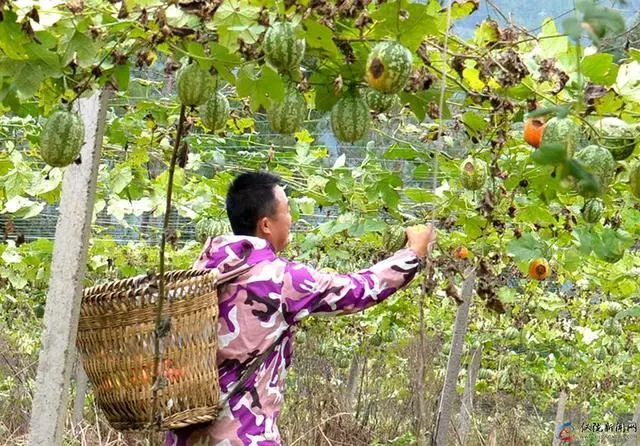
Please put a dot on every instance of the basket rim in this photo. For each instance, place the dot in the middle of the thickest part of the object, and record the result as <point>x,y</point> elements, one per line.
<point>142,281</point>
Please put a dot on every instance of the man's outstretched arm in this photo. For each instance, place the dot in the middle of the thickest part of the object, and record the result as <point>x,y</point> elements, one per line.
<point>307,291</point>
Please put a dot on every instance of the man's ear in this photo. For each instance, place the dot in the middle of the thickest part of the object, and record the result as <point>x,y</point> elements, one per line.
<point>264,225</point>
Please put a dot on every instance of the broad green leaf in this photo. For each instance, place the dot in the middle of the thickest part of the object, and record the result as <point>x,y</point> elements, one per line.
<point>178,18</point>
<point>12,39</point>
<point>628,81</point>
<point>550,154</point>
<point>320,36</point>
<point>629,312</point>
<point>420,195</point>
<point>487,33</point>
<point>306,205</point>
<point>525,248</point>
<point>16,182</point>
<point>585,239</point>
<point>552,43</point>
<point>234,13</point>
<point>225,62</point>
<point>461,9</point>
<point>609,104</point>
<point>122,75</point>
<point>120,179</point>
<point>82,48</point>
<point>474,121</point>
<point>374,224</point>
<point>261,87</point>
<point>409,28</point>
<point>472,78</point>
<point>28,76</point>
<point>588,182</point>
<point>401,151</point>
<point>600,68</point>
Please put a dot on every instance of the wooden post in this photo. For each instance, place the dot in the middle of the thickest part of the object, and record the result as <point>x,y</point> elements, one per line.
<point>445,406</point>
<point>466,408</point>
<point>49,407</point>
<point>562,402</point>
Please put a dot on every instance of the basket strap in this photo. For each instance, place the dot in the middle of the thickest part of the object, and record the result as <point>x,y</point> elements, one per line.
<point>257,362</point>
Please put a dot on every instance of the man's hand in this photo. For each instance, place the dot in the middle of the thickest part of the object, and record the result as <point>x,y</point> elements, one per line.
<point>421,238</point>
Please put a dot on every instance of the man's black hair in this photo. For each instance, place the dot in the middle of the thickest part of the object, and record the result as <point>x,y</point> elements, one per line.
<point>251,197</point>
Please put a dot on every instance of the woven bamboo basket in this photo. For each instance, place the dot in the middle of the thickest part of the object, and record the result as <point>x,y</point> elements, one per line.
<point>115,342</point>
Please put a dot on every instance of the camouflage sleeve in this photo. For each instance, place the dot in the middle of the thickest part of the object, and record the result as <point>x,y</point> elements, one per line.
<point>306,291</point>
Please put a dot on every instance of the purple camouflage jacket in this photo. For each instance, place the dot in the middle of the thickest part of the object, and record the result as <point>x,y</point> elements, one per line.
<point>255,309</point>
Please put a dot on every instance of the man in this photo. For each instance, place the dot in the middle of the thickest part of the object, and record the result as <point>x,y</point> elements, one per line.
<point>261,307</point>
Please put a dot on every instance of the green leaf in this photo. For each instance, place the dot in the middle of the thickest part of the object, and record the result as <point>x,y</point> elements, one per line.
<point>461,9</point>
<point>261,88</point>
<point>629,312</point>
<point>389,194</point>
<point>234,13</point>
<point>472,77</point>
<point>609,104</point>
<point>374,224</point>
<point>122,75</point>
<point>401,151</point>
<point>320,36</point>
<point>16,182</point>
<point>612,244</point>
<point>178,18</point>
<point>552,43</point>
<point>628,81</point>
<point>550,154</point>
<point>487,33</point>
<point>224,61</point>
<point>600,68</point>
<point>82,48</point>
<point>474,121</point>
<point>120,179</point>
<point>409,28</point>
<point>420,195</point>
<point>525,248</point>
<point>589,183</point>
<point>585,239</point>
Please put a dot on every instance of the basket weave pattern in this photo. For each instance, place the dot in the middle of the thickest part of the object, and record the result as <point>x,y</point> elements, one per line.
<point>115,342</point>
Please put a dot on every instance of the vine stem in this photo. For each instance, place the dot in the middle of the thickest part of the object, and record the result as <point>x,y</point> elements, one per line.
<point>443,89</point>
<point>161,282</point>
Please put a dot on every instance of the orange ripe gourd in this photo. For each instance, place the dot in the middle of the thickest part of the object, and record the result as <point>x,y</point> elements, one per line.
<point>533,129</point>
<point>461,252</point>
<point>539,269</point>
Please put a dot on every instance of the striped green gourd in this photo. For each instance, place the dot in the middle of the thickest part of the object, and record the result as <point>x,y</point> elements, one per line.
<point>282,48</point>
<point>61,139</point>
<point>394,238</point>
<point>600,163</point>
<point>593,210</point>
<point>616,136</point>
<point>350,118</point>
<point>563,131</point>
<point>388,67</point>
<point>215,112</point>
<point>287,115</point>
<point>473,173</point>
<point>380,102</point>
<point>193,85</point>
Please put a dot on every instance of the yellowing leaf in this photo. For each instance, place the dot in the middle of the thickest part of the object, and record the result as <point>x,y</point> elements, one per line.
<point>552,44</point>
<point>628,81</point>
